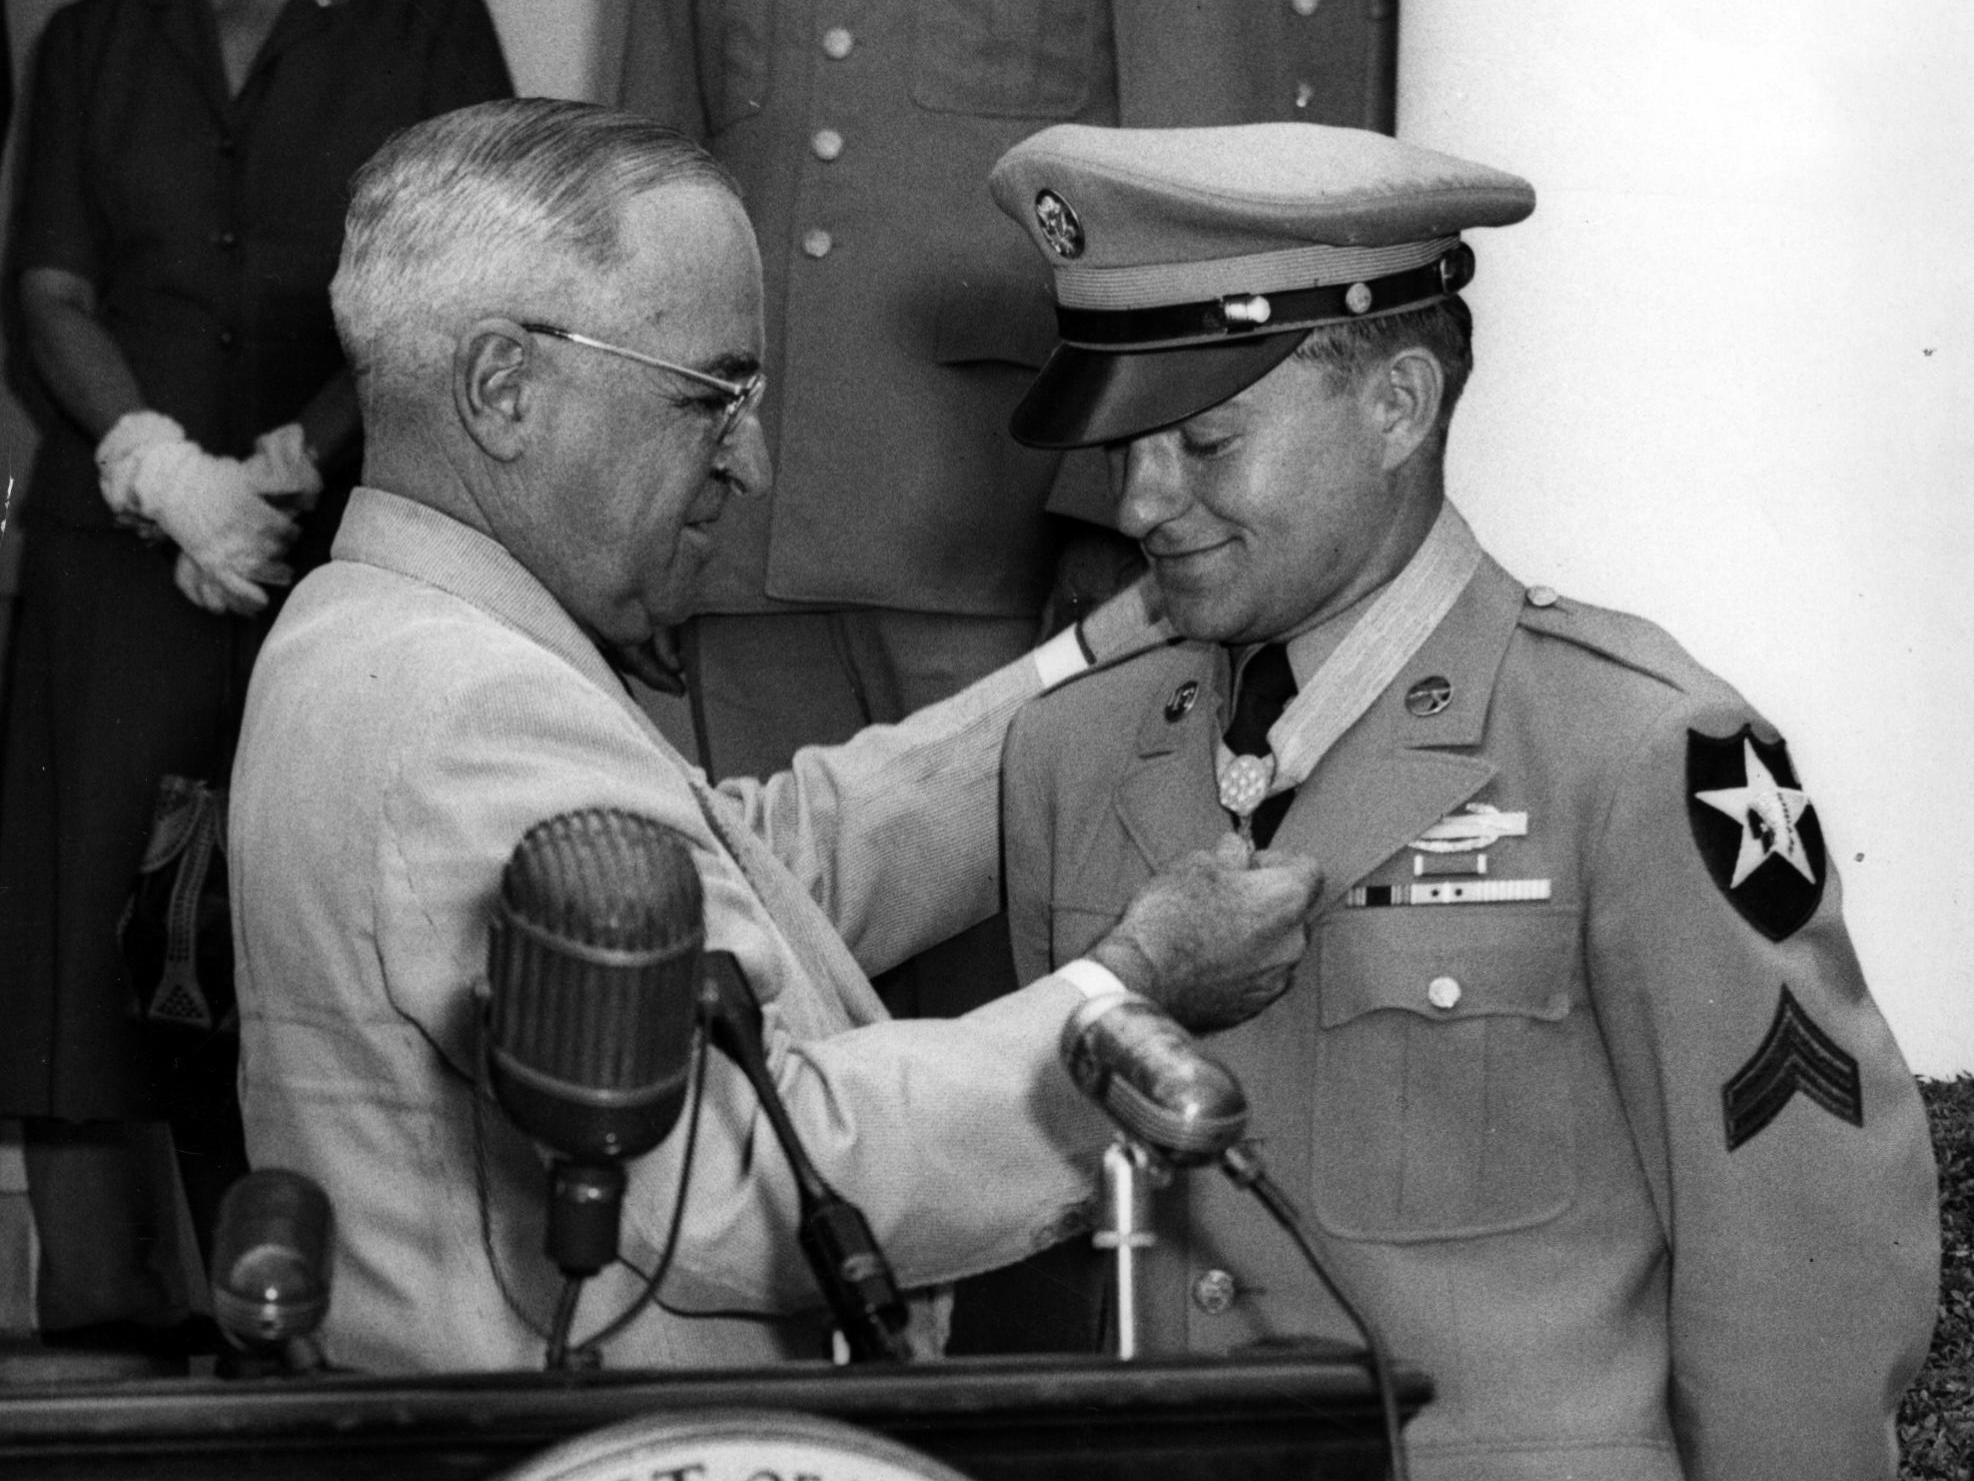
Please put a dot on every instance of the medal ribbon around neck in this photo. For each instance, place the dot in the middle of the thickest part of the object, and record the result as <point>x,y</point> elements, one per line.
<point>1371,655</point>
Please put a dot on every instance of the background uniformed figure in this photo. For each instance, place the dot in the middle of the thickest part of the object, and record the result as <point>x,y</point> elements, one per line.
<point>1579,1083</point>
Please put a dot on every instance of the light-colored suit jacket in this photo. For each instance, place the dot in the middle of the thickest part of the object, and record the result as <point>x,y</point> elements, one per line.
<point>1578,1156</point>
<point>421,703</point>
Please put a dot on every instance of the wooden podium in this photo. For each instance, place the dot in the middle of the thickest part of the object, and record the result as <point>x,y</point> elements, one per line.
<point>1308,1414</point>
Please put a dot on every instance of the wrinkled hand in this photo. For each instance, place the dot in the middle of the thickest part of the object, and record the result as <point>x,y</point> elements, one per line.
<point>1214,938</point>
<point>207,507</point>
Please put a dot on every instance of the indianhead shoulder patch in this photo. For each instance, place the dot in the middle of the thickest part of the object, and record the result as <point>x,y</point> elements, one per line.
<point>1756,829</point>
<point>1796,1056</point>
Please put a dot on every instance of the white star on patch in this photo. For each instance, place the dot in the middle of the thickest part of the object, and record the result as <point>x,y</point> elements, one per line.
<point>1767,814</point>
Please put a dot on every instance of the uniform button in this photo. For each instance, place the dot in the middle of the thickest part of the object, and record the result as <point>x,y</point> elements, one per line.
<point>226,241</point>
<point>1305,94</point>
<point>837,42</point>
<point>1304,7</point>
<point>226,144</point>
<point>827,143</point>
<point>816,242</point>
<point>227,339</point>
<point>1214,1292</point>
<point>1443,993</point>
<point>1542,596</point>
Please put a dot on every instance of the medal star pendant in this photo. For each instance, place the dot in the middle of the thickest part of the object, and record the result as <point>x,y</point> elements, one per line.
<point>1244,782</point>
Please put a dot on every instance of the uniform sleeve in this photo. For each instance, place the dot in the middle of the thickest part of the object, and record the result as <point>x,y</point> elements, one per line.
<point>963,1140</point>
<point>467,64</point>
<point>1028,844</point>
<point>58,227</point>
<point>661,66</point>
<point>1779,1128</point>
<point>896,834</point>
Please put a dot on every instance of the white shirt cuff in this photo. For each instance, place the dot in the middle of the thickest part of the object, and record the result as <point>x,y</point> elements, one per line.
<point>1090,979</point>
<point>1061,658</point>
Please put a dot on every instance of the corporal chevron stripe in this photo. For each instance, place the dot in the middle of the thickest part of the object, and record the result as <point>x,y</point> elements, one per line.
<point>1795,1055</point>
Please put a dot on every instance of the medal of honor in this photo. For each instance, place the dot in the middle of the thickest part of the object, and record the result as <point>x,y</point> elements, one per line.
<point>1244,783</point>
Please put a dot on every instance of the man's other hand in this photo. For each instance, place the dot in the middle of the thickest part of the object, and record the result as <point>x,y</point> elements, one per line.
<point>1215,938</point>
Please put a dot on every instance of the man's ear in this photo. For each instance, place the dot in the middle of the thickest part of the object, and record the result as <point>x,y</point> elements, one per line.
<point>492,386</point>
<point>1407,397</point>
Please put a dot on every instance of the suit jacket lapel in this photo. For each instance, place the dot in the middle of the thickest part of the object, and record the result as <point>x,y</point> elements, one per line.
<point>1394,774</point>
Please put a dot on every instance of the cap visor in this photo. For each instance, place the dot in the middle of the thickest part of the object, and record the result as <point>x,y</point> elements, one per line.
<point>1085,397</point>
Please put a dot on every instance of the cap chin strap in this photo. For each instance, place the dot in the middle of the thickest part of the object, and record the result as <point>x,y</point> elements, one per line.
<point>1170,326</point>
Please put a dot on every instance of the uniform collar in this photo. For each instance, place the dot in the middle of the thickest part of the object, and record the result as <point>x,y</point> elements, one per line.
<point>1389,778</point>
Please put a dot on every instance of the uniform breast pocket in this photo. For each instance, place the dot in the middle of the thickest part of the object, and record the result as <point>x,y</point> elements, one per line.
<point>1004,58</point>
<point>735,47</point>
<point>1444,1071</point>
<point>1074,929</point>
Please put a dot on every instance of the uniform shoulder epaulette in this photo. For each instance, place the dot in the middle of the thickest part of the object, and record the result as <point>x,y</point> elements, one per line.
<point>1620,637</point>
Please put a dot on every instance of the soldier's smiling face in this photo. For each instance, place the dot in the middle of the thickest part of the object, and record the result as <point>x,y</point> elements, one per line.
<point>1267,513</point>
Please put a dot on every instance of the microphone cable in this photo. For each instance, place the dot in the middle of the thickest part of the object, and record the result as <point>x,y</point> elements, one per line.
<point>587,1353</point>
<point>1242,1164</point>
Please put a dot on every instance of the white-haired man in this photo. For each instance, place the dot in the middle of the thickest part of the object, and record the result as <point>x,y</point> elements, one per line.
<point>553,312</point>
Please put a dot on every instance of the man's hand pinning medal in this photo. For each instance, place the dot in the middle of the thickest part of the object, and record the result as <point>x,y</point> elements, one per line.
<point>1214,937</point>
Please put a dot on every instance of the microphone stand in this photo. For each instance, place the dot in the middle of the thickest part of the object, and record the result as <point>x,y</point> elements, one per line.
<point>1132,1172</point>
<point>835,1237</point>
<point>1242,1164</point>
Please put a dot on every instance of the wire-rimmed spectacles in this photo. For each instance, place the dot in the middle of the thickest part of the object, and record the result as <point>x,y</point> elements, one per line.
<point>741,396</point>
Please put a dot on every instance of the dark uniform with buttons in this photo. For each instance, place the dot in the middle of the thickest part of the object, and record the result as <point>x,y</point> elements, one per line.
<point>1578,1083</point>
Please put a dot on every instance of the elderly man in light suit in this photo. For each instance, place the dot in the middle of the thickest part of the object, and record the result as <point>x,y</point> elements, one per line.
<point>554,315</point>
<point>1579,1080</point>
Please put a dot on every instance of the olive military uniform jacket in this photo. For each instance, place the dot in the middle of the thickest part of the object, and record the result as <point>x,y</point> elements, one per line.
<point>906,314</point>
<point>1630,1164</point>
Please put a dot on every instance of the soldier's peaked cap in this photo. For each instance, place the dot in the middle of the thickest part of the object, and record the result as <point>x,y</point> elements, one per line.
<point>1189,262</point>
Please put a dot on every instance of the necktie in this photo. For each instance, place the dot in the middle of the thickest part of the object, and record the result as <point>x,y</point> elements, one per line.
<point>1267,685</point>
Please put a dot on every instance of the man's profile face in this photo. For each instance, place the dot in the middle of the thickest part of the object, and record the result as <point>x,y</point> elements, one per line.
<point>1262,515</point>
<point>640,476</point>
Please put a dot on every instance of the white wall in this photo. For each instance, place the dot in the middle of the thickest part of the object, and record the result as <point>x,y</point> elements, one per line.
<point>1727,380</point>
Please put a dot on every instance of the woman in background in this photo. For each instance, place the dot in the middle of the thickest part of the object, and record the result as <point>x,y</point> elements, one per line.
<point>180,220</point>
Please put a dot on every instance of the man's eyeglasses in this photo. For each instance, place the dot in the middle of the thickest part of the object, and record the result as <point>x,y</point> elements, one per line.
<point>740,396</point>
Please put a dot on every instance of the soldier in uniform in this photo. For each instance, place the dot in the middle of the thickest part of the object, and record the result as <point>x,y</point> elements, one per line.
<point>1579,1083</point>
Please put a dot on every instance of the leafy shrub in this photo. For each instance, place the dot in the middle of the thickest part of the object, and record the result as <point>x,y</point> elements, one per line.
<point>1936,1421</point>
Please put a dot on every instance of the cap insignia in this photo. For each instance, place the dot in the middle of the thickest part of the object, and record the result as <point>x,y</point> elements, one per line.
<point>1358,298</point>
<point>1060,228</point>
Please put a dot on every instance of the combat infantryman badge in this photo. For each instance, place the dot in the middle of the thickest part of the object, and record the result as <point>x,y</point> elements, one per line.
<point>1756,829</point>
